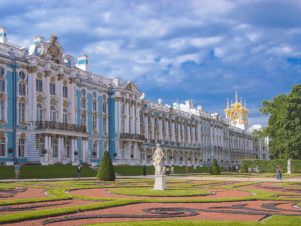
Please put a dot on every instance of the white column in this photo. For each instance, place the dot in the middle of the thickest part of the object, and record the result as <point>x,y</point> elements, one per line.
<point>73,150</point>
<point>32,101</point>
<point>60,149</point>
<point>59,92</point>
<point>71,90</point>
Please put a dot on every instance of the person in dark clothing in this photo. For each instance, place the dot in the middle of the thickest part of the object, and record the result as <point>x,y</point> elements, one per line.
<point>79,170</point>
<point>144,170</point>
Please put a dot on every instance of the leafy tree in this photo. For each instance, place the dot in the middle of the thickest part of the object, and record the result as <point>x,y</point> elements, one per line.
<point>106,169</point>
<point>214,169</point>
<point>284,125</point>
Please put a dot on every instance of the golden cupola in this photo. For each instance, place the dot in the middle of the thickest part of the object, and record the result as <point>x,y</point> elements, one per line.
<point>237,113</point>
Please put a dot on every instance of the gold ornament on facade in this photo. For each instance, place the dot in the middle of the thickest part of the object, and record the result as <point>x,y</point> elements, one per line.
<point>237,113</point>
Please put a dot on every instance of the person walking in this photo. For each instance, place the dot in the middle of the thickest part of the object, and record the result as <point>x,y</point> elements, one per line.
<point>79,170</point>
<point>17,170</point>
<point>144,170</point>
<point>278,173</point>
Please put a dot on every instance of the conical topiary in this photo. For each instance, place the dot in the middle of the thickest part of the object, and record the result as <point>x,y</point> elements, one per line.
<point>106,169</point>
<point>214,169</point>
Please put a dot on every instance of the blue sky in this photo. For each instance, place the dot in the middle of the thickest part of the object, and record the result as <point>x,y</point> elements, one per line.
<point>200,50</point>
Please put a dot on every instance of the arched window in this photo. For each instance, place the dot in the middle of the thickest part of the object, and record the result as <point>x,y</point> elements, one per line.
<point>21,147</point>
<point>21,113</point>
<point>2,145</point>
<point>53,114</point>
<point>94,150</point>
<point>2,110</point>
<point>65,115</point>
<point>22,75</point>
<point>104,104</point>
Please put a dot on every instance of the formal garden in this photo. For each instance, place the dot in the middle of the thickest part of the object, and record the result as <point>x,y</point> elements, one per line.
<point>184,202</point>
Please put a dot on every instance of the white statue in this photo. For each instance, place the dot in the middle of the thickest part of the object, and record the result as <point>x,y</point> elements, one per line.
<point>289,166</point>
<point>159,171</point>
<point>158,160</point>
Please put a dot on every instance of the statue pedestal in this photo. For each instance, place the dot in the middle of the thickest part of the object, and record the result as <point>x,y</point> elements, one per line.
<point>289,171</point>
<point>159,182</point>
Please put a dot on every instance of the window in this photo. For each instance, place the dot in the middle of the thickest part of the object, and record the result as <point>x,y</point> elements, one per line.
<point>94,123</point>
<point>22,75</point>
<point>2,146</point>
<point>104,107</point>
<point>21,113</point>
<point>53,114</point>
<point>94,150</point>
<point>21,147</point>
<point>41,143</point>
<point>83,119</point>
<point>2,85</point>
<point>55,147</point>
<point>52,88</point>
<point>67,147</point>
<point>2,110</point>
<point>39,85</point>
<point>104,127</point>
<point>2,71</point>
<point>65,115</point>
<point>22,89</point>
<point>94,105</point>
<point>65,91</point>
<point>83,103</point>
<point>40,112</point>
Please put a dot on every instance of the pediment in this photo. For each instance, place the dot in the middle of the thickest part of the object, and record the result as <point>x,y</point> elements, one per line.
<point>133,88</point>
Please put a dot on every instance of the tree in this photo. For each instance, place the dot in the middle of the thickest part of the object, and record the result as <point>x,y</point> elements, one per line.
<point>106,169</point>
<point>214,168</point>
<point>284,125</point>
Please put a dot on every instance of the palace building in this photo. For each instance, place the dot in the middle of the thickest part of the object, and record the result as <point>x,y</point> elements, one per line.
<point>53,110</point>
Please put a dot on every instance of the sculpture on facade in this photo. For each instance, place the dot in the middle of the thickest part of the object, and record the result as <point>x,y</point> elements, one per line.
<point>289,166</point>
<point>159,172</point>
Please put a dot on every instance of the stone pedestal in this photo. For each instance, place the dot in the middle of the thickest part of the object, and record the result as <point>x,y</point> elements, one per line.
<point>159,182</point>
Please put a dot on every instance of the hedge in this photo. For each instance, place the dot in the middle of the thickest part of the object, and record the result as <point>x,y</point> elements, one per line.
<point>53,171</point>
<point>7,172</point>
<point>127,170</point>
<point>269,166</point>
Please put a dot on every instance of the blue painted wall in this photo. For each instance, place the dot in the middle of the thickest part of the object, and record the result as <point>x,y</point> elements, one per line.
<point>111,106</point>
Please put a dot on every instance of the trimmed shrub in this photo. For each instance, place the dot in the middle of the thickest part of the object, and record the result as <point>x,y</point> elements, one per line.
<point>244,168</point>
<point>269,166</point>
<point>214,169</point>
<point>106,169</point>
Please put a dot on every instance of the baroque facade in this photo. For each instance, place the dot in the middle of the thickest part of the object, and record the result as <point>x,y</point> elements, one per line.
<point>55,111</point>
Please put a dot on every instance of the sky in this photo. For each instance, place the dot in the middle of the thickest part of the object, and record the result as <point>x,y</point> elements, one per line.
<point>201,50</point>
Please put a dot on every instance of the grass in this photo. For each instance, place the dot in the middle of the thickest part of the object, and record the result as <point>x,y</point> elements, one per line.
<point>273,221</point>
<point>53,171</point>
<point>147,191</point>
<point>7,172</point>
<point>16,217</point>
